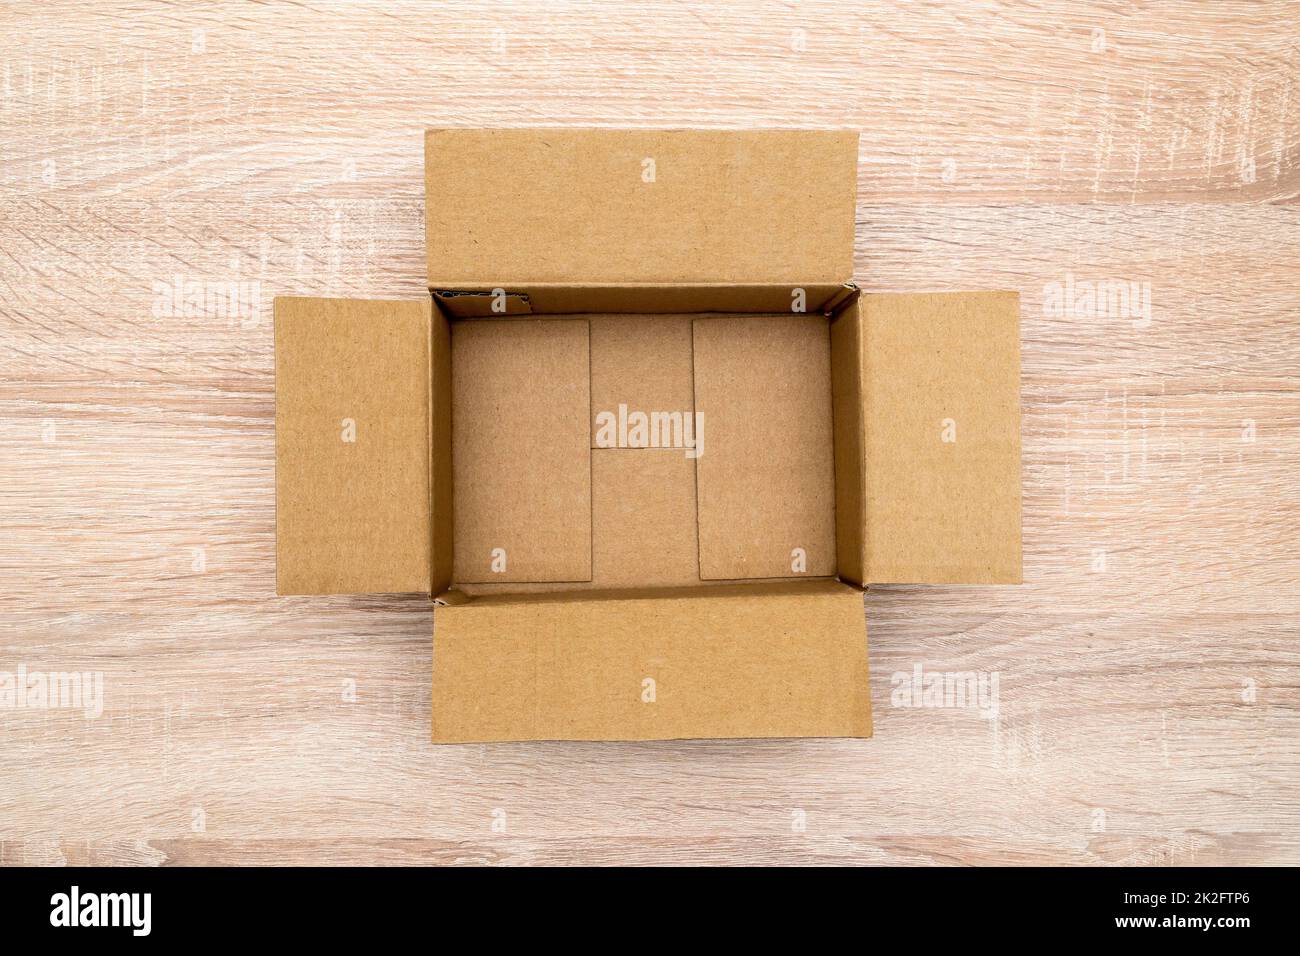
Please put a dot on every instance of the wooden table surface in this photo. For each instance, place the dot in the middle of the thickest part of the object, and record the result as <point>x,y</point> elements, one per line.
<point>1149,668</point>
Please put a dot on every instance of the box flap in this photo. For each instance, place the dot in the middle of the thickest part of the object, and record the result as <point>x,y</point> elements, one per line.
<point>352,447</point>
<point>731,661</point>
<point>941,403</point>
<point>510,207</point>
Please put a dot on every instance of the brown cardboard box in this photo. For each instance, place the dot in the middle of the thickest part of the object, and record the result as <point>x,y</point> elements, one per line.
<point>645,443</point>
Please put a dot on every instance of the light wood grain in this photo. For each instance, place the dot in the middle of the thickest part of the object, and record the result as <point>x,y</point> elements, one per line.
<point>1004,146</point>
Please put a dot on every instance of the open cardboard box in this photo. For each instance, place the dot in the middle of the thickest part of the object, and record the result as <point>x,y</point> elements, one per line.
<point>645,442</point>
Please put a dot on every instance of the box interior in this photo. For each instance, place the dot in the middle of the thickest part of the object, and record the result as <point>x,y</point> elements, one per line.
<point>596,451</point>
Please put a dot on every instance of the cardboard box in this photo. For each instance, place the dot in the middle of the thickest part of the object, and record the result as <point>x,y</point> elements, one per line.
<point>644,443</point>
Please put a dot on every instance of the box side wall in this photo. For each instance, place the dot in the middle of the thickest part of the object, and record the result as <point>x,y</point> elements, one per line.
<point>515,299</point>
<point>850,442</point>
<point>442,491</point>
